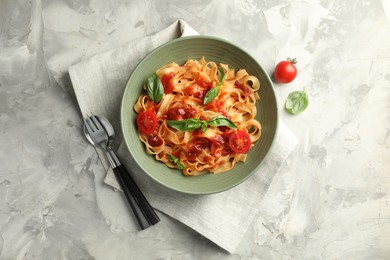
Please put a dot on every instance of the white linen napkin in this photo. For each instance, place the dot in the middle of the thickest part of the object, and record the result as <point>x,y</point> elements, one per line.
<point>224,217</point>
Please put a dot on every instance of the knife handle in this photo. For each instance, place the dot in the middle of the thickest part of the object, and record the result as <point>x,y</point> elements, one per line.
<point>143,211</point>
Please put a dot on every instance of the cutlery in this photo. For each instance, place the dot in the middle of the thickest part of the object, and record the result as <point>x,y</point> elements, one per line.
<point>100,133</point>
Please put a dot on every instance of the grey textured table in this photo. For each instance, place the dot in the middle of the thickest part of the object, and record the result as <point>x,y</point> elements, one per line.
<point>331,197</point>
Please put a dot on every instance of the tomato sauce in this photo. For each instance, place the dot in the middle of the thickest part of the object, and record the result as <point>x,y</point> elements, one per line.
<point>217,106</point>
<point>176,153</point>
<point>167,81</point>
<point>195,148</point>
<point>193,151</point>
<point>244,89</point>
<point>154,140</point>
<point>199,89</point>
<point>180,113</point>
<point>150,105</point>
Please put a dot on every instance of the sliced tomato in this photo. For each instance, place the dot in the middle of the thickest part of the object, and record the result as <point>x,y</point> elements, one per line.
<point>240,142</point>
<point>167,81</point>
<point>146,122</point>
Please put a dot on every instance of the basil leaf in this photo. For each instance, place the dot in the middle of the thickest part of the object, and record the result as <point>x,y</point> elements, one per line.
<point>176,161</point>
<point>221,121</point>
<point>222,75</point>
<point>154,88</point>
<point>172,158</point>
<point>203,126</point>
<point>185,125</point>
<point>211,94</point>
<point>297,102</point>
<point>179,165</point>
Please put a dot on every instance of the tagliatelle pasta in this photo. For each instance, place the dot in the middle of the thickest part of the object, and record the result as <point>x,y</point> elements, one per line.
<point>199,117</point>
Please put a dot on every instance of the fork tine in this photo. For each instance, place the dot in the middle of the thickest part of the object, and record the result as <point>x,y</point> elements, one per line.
<point>89,125</point>
<point>96,122</point>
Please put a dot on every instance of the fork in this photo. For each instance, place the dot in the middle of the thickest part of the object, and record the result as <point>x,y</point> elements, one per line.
<point>101,135</point>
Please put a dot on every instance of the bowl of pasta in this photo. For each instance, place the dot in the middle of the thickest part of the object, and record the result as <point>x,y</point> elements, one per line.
<point>199,115</point>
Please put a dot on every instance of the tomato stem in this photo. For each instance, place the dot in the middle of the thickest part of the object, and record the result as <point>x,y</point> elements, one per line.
<point>293,61</point>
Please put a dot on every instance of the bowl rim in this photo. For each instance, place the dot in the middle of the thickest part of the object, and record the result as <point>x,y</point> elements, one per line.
<point>214,191</point>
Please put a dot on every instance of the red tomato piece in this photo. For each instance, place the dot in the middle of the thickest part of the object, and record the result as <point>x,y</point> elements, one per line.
<point>180,113</point>
<point>150,105</point>
<point>244,89</point>
<point>203,142</point>
<point>219,140</point>
<point>154,140</point>
<point>200,95</point>
<point>167,81</point>
<point>202,83</point>
<point>240,142</point>
<point>285,71</point>
<point>199,89</point>
<point>193,151</point>
<point>223,128</point>
<point>176,153</point>
<point>195,148</point>
<point>226,150</point>
<point>146,122</point>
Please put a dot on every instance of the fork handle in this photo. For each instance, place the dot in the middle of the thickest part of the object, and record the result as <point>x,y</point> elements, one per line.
<point>143,211</point>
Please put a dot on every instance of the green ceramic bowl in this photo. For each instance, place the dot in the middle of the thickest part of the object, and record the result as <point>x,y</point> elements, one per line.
<point>219,51</point>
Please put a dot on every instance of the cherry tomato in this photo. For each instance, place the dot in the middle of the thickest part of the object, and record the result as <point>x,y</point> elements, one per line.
<point>285,71</point>
<point>240,142</point>
<point>167,82</point>
<point>146,122</point>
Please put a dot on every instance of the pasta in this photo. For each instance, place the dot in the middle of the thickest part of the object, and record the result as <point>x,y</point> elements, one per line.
<point>199,117</point>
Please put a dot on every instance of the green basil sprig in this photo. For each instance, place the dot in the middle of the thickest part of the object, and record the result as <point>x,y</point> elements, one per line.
<point>213,93</point>
<point>297,102</point>
<point>210,95</point>
<point>186,125</point>
<point>154,88</point>
<point>222,75</point>
<point>221,121</point>
<point>176,161</point>
<point>191,124</point>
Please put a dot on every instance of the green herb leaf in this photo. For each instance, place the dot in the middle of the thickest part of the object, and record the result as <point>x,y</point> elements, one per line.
<point>154,88</point>
<point>222,75</point>
<point>297,102</point>
<point>176,161</point>
<point>211,94</point>
<point>203,126</point>
<point>186,125</point>
<point>221,121</point>
<point>191,124</point>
